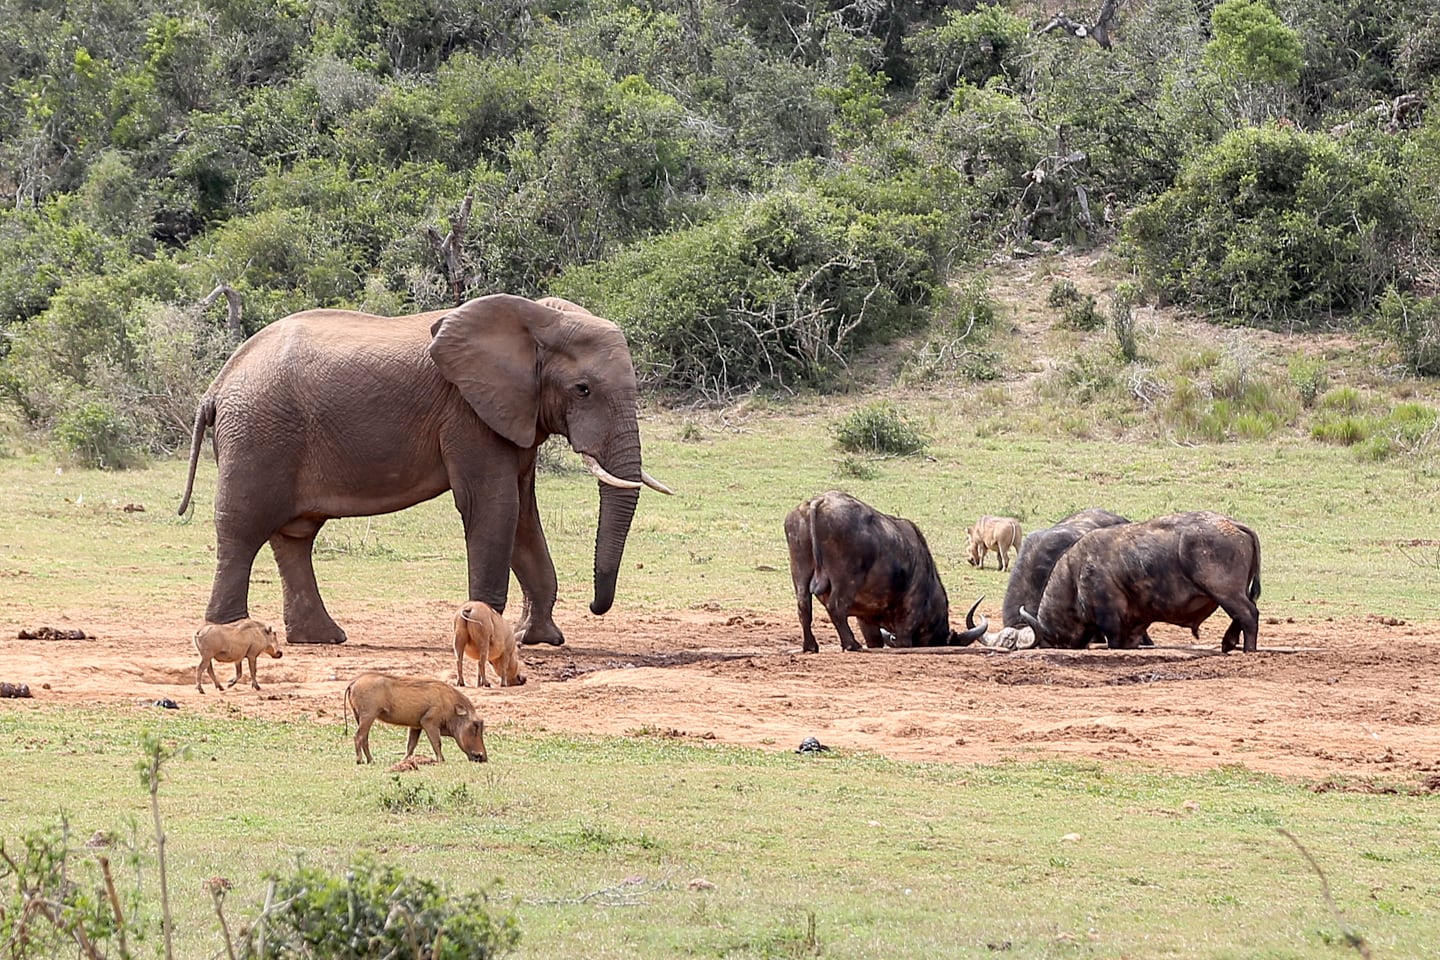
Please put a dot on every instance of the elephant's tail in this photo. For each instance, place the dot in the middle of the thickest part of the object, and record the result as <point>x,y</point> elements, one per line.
<point>204,417</point>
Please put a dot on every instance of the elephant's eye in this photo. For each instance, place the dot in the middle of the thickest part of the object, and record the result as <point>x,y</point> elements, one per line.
<point>583,389</point>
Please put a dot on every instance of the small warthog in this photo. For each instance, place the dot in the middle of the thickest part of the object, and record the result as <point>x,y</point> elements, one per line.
<point>1001,534</point>
<point>235,642</point>
<point>430,705</point>
<point>484,635</point>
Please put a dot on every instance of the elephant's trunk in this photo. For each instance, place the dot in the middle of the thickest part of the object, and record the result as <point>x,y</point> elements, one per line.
<point>617,509</point>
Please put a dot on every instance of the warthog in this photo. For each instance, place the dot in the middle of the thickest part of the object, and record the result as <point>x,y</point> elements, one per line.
<point>1116,581</point>
<point>484,635</point>
<point>430,705</point>
<point>237,642</point>
<point>876,568</point>
<point>1000,534</point>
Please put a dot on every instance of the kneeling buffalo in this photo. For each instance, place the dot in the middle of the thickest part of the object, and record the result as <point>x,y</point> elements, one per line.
<point>876,568</point>
<point>1116,581</point>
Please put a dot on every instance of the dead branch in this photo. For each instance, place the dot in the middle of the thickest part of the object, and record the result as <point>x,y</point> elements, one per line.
<point>451,249</point>
<point>1351,937</point>
<point>232,301</point>
<point>1099,30</point>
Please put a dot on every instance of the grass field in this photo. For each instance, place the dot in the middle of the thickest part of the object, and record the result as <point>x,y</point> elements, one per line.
<point>594,844</point>
<point>1338,536</point>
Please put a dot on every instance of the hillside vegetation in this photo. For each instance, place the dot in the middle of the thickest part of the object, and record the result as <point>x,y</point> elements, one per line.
<point>766,196</point>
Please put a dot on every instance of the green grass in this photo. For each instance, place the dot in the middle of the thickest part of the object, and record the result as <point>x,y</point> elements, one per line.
<point>845,855</point>
<point>1331,528</point>
<point>891,859</point>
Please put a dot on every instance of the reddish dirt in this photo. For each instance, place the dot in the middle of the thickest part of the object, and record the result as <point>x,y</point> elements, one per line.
<point>1351,704</point>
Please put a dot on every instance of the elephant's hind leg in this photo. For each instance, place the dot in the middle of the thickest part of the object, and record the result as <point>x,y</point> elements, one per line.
<point>306,619</point>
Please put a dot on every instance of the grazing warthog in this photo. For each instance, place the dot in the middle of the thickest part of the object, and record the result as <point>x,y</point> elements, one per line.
<point>430,705</point>
<point>1000,534</point>
<point>484,635</point>
<point>1116,581</point>
<point>876,568</point>
<point>237,642</point>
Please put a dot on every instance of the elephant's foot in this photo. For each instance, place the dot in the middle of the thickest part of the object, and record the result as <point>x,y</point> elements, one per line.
<point>533,633</point>
<point>315,630</point>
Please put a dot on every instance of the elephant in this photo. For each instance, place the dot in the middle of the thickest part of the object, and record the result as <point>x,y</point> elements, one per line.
<point>332,413</point>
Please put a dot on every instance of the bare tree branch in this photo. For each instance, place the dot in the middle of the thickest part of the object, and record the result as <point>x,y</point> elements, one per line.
<point>451,249</point>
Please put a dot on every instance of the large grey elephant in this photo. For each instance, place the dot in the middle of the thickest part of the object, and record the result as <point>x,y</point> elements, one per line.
<point>330,413</point>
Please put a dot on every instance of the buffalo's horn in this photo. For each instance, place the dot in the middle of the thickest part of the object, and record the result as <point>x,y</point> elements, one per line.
<point>972,632</point>
<point>605,476</point>
<point>1032,620</point>
<point>654,484</point>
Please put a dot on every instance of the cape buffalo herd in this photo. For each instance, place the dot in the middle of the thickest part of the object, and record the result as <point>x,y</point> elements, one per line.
<point>1092,577</point>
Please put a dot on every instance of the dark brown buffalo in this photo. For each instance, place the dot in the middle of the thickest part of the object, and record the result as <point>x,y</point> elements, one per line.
<point>1038,553</point>
<point>876,568</point>
<point>1116,581</point>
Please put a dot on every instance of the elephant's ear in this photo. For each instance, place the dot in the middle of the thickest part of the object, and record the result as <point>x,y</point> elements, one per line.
<point>488,347</point>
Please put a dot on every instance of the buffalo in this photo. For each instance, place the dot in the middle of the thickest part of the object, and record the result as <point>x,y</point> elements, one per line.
<point>1038,553</point>
<point>876,568</point>
<point>1116,581</point>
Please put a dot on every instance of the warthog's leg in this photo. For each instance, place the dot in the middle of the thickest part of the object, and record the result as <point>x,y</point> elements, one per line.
<point>410,743</point>
<point>239,668</point>
<point>433,733</point>
<point>362,739</point>
<point>254,682</point>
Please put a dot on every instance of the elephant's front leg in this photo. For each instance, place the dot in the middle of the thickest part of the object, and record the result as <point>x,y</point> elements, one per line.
<point>489,515</point>
<point>306,619</point>
<point>535,571</point>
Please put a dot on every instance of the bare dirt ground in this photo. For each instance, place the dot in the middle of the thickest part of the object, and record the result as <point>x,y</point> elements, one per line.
<point>1348,704</point>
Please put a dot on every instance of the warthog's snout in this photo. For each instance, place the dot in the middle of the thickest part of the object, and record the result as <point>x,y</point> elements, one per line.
<point>277,654</point>
<point>479,758</point>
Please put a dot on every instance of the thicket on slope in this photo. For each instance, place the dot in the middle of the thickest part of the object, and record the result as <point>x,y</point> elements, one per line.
<point>1273,227</point>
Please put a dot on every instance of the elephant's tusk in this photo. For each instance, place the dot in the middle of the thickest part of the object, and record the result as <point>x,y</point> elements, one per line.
<point>654,484</point>
<point>605,476</point>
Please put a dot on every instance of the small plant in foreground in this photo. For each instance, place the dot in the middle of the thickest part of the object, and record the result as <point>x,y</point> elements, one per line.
<point>373,910</point>
<point>878,428</point>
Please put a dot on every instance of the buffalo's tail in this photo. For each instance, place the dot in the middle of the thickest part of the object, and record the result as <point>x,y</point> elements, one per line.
<point>1254,586</point>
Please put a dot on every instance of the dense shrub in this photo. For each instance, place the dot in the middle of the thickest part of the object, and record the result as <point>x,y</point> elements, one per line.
<point>878,428</point>
<point>1273,227</point>
<point>777,292</point>
<point>373,910</point>
<point>1412,323</point>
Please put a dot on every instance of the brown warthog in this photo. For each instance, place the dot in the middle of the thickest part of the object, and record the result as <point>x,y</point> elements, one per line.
<point>236,642</point>
<point>876,568</point>
<point>430,705</point>
<point>1001,534</point>
<point>484,635</point>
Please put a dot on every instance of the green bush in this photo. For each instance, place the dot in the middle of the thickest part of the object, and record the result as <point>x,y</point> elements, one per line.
<point>778,291</point>
<point>965,317</point>
<point>97,436</point>
<point>1122,320</point>
<point>373,910</point>
<point>1273,227</point>
<point>1080,313</point>
<point>1309,378</point>
<point>1062,294</point>
<point>878,428</point>
<point>1344,429</point>
<point>1412,323</point>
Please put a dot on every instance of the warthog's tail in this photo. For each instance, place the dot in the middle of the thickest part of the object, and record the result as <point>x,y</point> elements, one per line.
<point>346,706</point>
<point>204,417</point>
